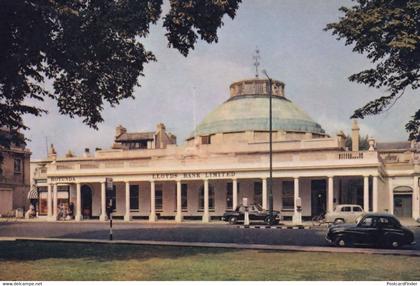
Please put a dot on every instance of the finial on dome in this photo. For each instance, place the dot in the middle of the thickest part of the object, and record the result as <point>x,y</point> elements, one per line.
<point>256,58</point>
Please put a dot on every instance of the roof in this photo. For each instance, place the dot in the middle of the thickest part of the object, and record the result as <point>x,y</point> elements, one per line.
<point>403,145</point>
<point>135,136</point>
<point>251,113</point>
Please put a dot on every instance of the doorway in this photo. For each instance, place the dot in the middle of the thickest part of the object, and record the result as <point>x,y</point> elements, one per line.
<point>403,205</point>
<point>318,197</point>
<point>86,194</point>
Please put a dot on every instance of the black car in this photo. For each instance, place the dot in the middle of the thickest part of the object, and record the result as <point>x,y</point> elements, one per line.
<point>382,230</point>
<point>256,213</point>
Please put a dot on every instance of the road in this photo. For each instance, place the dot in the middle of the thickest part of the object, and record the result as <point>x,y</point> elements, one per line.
<point>172,232</point>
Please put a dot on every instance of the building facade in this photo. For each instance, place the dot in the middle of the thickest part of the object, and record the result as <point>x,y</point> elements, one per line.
<point>226,159</point>
<point>14,177</point>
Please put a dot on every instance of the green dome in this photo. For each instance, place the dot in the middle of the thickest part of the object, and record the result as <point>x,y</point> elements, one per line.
<point>251,113</point>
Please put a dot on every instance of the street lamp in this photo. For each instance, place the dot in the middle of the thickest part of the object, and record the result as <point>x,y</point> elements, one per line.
<point>270,180</point>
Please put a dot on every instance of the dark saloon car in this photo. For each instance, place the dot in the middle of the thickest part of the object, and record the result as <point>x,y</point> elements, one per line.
<point>256,213</point>
<point>382,230</point>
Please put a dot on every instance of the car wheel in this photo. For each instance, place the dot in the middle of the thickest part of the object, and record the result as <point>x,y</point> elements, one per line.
<point>339,221</point>
<point>268,220</point>
<point>342,242</point>
<point>393,243</point>
<point>233,220</point>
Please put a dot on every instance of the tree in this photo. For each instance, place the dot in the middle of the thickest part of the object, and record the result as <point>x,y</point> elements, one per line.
<point>363,142</point>
<point>90,50</point>
<point>388,31</point>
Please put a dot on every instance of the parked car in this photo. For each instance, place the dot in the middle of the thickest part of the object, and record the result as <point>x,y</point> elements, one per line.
<point>344,214</point>
<point>256,213</point>
<point>383,230</point>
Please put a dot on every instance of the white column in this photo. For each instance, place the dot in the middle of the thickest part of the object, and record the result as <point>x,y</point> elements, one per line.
<point>102,217</point>
<point>127,216</point>
<point>391,195</point>
<point>206,217</point>
<point>330,196</point>
<point>55,202</point>
<point>415,198</point>
<point>78,216</point>
<point>178,217</point>
<point>264,193</point>
<point>234,193</point>
<point>375,194</point>
<point>297,216</point>
<point>152,215</point>
<point>366,193</point>
<point>49,202</point>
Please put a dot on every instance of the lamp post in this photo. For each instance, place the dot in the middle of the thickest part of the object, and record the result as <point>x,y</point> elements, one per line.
<point>270,180</point>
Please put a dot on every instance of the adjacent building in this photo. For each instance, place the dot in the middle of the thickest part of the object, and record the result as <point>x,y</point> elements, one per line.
<point>14,177</point>
<point>225,159</point>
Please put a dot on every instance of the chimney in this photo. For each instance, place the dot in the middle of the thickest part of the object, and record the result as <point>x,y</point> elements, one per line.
<point>119,130</point>
<point>52,154</point>
<point>160,127</point>
<point>355,134</point>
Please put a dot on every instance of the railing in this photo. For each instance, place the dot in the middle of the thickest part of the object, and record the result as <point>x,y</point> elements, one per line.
<point>350,155</point>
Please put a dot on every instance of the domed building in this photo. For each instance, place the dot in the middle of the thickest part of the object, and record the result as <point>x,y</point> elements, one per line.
<point>247,110</point>
<point>225,163</point>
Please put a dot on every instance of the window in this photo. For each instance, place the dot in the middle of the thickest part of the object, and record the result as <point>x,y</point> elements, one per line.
<point>288,198</point>
<point>211,198</point>
<point>388,222</point>
<point>205,140</point>
<point>111,195</point>
<point>43,200</point>
<point>134,198</point>
<point>158,198</point>
<point>18,166</point>
<point>357,209</point>
<point>184,197</point>
<point>258,193</point>
<point>229,195</point>
<point>369,222</point>
<point>346,209</point>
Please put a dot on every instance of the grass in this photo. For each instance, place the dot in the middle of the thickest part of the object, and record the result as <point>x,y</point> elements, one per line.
<point>71,261</point>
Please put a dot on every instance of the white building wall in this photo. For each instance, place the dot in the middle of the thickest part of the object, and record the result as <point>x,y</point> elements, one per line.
<point>383,196</point>
<point>96,199</point>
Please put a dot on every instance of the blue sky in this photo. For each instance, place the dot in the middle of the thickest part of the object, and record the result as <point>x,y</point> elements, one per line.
<point>294,49</point>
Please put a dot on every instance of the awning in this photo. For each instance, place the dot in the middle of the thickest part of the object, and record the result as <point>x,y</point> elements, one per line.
<point>33,194</point>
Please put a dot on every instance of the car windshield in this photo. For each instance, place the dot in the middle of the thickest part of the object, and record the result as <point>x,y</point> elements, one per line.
<point>258,207</point>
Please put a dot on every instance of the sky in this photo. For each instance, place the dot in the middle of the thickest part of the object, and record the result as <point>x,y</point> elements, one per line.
<point>180,91</point>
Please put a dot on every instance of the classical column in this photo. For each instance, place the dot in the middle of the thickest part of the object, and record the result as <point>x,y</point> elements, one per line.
<point>49,202</point>
<point>415,198</point>
<point>103,202</point>
<point>297,215</point>
<point>366,193</point>
<point>206,201</point>
<point>127,202</point>
<point>234,193</point>
<point>330,197</point>
<point>375,194</point>
<point>152,215</point>
<point>78,216</point>
<point>178,217</point>
<point>264,193</point>
<point>55,202</point>
<point>391,195</point>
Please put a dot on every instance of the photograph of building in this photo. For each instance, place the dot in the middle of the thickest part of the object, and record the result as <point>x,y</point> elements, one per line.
<point>225,159</point>
<point>209,140</point>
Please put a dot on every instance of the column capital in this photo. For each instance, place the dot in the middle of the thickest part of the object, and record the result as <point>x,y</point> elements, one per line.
<point>264,178</point>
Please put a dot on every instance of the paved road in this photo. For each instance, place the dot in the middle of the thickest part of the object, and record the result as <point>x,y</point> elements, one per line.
<point>173,232</point>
